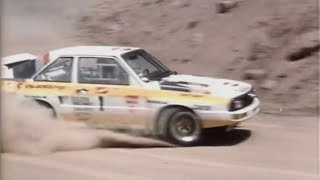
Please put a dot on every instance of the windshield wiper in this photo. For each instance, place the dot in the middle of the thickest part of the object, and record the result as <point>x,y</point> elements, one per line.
<point>167,73</point>
<point>158,75</point>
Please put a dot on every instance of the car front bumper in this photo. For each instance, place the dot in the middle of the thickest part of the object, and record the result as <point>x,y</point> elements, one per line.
<point>228,118</point>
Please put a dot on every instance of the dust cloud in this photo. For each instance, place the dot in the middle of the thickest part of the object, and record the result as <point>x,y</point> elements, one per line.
<point>27,128</point>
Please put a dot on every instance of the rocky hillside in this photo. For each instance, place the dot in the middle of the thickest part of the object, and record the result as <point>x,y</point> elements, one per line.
<point>271,43</point>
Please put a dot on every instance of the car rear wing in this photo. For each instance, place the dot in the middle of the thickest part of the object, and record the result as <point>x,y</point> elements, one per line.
<point>19,66</point>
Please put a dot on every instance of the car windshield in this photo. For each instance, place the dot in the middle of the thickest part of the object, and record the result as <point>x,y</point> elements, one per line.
<point>145,65</point>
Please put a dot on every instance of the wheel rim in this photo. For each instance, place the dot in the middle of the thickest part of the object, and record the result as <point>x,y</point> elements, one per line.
<point>184,128</point>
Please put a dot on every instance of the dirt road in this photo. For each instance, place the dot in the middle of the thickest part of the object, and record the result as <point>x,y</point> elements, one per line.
<point>268,147</point>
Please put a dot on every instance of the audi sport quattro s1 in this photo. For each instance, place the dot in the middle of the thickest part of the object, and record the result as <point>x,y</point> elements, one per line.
<point>126,87</point>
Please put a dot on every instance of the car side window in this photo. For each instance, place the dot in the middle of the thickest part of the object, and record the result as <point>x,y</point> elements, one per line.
<point>96,70</point>
<point>59,71</point>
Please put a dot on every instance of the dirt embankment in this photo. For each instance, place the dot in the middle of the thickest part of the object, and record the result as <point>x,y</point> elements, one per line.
<point>270,43</point>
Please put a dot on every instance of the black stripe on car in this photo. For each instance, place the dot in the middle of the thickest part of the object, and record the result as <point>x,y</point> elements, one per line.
<point>101,103</point>
<point>156,102</point>
<point>60,99</point>
<point>174,86</point>
<point>201,107</point>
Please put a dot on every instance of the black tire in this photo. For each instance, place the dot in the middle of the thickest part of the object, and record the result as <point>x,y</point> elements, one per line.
<point>180,127</point>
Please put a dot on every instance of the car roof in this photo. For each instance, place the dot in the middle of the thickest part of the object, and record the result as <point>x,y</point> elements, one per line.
<point>91,51</point>
<point>17,58</point>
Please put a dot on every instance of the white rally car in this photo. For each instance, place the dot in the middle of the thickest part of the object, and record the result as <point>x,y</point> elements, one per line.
<point>126,87</point>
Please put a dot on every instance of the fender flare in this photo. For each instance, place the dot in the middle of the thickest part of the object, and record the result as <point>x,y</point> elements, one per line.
<point>46,104</point>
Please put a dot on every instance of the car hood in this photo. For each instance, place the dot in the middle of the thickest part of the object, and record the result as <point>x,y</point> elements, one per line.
<point>218,87</point>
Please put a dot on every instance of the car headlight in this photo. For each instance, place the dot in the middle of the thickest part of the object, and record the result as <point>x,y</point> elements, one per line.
<point>238,104</point>
<point>242,100</point>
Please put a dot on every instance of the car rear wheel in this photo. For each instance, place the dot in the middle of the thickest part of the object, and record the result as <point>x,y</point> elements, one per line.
<point>179,126</point>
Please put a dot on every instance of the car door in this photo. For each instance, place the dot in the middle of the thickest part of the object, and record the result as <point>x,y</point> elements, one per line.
<point>114,103</point>
<point>54,83</point>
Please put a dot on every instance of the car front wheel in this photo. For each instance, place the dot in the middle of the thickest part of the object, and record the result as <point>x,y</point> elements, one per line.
<point>181,127</point>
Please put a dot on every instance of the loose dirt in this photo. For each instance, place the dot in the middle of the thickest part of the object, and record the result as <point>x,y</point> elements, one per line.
<point>28,128</point>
